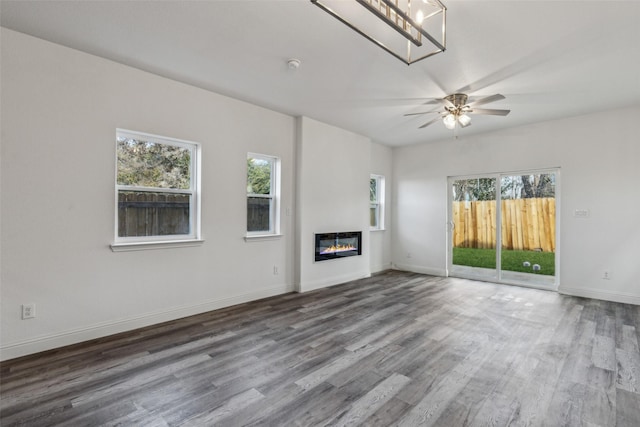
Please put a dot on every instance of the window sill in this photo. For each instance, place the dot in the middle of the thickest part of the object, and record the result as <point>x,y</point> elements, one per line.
<point>262,237</point>
<point>163,244</point>
<point>376,229</point>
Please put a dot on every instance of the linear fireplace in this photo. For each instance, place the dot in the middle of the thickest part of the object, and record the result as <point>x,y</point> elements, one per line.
<point>338,245</point>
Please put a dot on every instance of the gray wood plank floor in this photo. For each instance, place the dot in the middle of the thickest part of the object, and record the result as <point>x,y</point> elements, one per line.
<point>394,349</point>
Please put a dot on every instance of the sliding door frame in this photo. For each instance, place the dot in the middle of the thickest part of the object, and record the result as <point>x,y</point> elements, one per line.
<point>467,273</point>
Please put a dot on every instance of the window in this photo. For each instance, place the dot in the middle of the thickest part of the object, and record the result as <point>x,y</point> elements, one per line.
<point>376,200</point>
<point>262,195</point>
<point>157,189</point>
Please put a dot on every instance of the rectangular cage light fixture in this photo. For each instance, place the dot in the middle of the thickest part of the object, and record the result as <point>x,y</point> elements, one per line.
<point>410,30</point>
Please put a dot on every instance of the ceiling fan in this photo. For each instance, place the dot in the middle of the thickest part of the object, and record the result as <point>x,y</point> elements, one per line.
<point>456,110</point>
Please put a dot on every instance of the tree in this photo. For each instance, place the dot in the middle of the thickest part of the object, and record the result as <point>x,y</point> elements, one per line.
<point>258,176</point>
<point>373,190</point>
<point>511,187</point>
<point>540,185</point>
<point>528,186</point>
<point>151,164</point>
<point>474,189</point>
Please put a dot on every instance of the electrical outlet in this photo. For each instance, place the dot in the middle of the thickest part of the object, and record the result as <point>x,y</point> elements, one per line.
<point>275,270</point>
<point>408,254</point>
<point>28,311</point>
<point>606,275</point>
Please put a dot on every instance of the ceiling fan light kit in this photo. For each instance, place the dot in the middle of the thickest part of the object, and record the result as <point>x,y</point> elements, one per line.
<point>449,121</point>
<point>464,120</point>
<point>410,30</point>
<point>456,110</point>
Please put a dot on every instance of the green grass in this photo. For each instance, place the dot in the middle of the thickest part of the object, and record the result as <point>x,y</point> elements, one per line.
<point>511,260</point>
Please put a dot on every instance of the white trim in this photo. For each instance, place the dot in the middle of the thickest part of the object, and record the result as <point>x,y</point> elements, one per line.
<point>132,134</point>
<point>161,244</point>
<point>380,268</point>
<point>274,195</point>
<point>379,203</point>
<point>431,271</point>
<point>261,237</point>
<point>195,206</point>
<point>153,189</point>
<point>48,342</point>
<point>620,297</point>
<point>472,274</point>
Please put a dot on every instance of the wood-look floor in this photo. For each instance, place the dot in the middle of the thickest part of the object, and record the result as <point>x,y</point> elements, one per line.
<point>395,349</point>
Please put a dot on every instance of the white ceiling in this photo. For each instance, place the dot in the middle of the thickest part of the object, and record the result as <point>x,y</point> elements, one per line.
<point>549,58</point>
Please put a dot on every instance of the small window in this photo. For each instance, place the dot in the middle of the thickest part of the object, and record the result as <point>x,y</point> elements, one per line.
<point>156,188</point>
<point>376,200</point>
<point>262,194</point>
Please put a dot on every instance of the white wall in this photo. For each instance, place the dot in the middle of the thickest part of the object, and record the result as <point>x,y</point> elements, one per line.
<point>60,111</point>
<point>598,155</point>
<point>380,240</point>
<point>332,196</point>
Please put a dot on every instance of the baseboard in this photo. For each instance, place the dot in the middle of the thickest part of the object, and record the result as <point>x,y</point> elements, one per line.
<point>49,342</point>
<point>381,268</point>
<point>602,295</point>
<point>331,281</point>
<point>422,270</point>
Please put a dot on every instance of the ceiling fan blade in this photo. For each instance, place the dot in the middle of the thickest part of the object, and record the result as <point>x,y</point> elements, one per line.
<point>489,112</point>
<point>447,103</point>
<point>430,122</point>
<point>488,99</point>
<point>443,101</point>
<point>424,112</point>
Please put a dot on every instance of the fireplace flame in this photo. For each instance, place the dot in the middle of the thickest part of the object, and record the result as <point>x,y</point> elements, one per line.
<point>338,248</point>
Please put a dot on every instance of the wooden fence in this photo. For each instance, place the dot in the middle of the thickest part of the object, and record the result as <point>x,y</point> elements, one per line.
<point>527,224</point>
<point>258,211</point>
<point>157,214</point>
<point>152,214</point>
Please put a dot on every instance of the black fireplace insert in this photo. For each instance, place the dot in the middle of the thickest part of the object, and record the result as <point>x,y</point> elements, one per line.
<point>338,245</point>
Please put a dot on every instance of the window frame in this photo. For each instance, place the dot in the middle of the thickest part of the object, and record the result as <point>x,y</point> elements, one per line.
<point>378,203</point>
<point>121,243</point>
<point>274,196</point>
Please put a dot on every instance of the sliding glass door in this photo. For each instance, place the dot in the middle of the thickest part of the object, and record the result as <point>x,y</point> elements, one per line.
<point>503,228</point>
<point>528,224</point>
<point>473,227</point>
